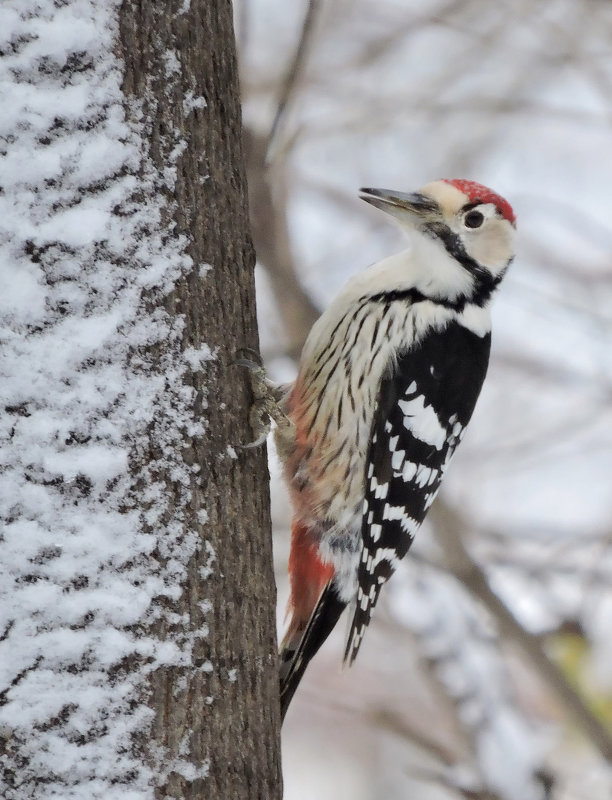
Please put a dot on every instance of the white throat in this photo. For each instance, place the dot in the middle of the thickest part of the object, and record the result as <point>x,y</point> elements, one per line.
<point>438,274</point>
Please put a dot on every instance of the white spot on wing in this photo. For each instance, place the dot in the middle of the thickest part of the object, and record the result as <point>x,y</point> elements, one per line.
<point>397,459</point>
<point>375,531</point>
<point>409,471</point>
<point>430,498</point>
<point>422,421</point>
<point>384,554</point>
<point>422,476</point>
<point>409,525</point>
<point>380,489</point>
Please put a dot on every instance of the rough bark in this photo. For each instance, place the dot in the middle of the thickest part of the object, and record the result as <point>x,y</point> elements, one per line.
<point>227,706</point>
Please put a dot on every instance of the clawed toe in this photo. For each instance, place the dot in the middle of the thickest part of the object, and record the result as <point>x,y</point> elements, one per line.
<point>266,394</point>
<point>254,357</point>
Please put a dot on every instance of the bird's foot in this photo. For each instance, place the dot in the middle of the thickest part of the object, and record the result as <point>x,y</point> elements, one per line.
<point>266,400</point>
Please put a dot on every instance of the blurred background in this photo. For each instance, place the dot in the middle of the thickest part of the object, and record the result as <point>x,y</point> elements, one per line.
<point>487,671</point>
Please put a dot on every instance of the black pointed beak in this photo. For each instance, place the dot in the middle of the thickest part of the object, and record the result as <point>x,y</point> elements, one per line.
<point>400,204</point>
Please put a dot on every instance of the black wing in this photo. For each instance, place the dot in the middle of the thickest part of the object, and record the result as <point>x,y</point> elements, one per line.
<point>422,411</point>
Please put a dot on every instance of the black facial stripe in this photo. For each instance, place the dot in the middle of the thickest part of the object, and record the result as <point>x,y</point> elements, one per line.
<point>485,282</point>
<point>455,248</point>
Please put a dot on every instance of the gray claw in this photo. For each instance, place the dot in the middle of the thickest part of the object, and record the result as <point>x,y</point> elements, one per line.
<point>265,408</point>
<point>256,358</point>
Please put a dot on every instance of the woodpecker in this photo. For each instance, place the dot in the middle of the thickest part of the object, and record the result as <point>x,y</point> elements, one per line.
<point>387,383</point>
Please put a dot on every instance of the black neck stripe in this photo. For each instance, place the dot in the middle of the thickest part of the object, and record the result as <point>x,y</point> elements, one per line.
<point>414,296</point>
<point>484,282</point>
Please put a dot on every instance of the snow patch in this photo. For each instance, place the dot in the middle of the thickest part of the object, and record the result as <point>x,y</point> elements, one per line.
<point>78,392</point>
<point>207,570</point>
<point>196,358</point>
<point>173,65</point>
<point>191,102</point>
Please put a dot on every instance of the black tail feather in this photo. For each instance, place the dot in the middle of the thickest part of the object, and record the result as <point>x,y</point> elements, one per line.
<point>322,621</point>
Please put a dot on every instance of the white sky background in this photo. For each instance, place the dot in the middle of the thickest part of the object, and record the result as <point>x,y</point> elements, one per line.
<point>515,96</point>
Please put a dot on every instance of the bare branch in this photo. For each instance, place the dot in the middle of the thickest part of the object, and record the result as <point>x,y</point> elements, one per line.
<point>291,78</point>
<point>268,208</point>
<point>451,529</point>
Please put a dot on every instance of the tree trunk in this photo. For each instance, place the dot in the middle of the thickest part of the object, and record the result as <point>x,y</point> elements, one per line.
<point>229,714</point>
<point>138,634</point>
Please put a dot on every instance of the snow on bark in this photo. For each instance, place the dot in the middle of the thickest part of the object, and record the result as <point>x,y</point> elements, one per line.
<point>85,258</point>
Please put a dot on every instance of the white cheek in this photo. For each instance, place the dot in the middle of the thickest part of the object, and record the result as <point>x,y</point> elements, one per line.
<point>493,245</point>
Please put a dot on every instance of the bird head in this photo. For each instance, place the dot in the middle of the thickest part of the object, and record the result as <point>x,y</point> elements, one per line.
<point>473,224</point>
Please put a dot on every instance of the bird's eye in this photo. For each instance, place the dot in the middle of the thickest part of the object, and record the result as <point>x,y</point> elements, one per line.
<point>473,219</point>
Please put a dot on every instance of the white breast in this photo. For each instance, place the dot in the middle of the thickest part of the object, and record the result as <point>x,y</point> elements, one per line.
<point>334,400</point>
